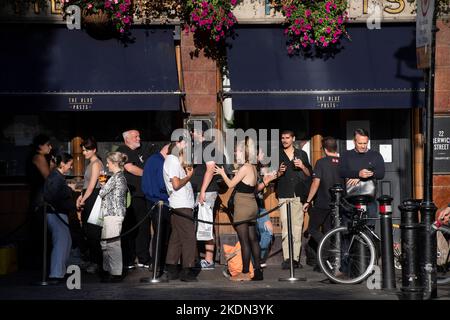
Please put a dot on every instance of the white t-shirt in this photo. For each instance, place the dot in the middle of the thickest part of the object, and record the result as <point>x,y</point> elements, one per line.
<point>181,198</point>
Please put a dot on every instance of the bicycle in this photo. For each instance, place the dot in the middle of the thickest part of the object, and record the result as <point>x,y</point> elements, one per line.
<point>347,254</point>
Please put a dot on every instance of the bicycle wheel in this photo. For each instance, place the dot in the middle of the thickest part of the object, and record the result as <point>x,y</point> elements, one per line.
<point>346,257</point>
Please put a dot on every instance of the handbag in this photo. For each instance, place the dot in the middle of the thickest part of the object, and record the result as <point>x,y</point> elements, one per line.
<point>96,216</point>
<point>362,188</point>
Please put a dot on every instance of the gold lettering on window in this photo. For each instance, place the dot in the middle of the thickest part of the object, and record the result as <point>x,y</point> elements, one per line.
<point>398,7</point>
<point>365,6</point>
<point>56,7</point>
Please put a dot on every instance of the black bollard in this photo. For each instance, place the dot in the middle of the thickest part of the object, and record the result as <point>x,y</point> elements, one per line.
<point>411,284</point>
<point>155,278</point>
<point>360,202</point>
<point>428,250</point>
<point>387,242</point>
<point>292,277</point>
<point>336,195</point>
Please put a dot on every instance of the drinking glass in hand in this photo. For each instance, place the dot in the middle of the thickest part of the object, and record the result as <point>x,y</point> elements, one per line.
<point>103,177</point>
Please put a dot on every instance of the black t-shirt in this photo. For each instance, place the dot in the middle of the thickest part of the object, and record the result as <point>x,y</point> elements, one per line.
<point>200,166</point>
<point>327,170</point>
<point>136,157</point>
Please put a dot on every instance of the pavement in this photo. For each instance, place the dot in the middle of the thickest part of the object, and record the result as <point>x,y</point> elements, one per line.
<point>212,285</point>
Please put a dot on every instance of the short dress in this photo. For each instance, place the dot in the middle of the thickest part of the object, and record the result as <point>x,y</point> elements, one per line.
<point>245,205</point>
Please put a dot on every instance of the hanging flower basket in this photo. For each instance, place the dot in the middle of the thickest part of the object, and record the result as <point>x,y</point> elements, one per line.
<point>104,17</point>
<point>96,18</point>
<point>314,23</point>
<point>98,24</point>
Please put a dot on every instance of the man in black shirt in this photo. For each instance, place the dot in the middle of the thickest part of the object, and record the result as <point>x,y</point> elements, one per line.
<point>362,164</point>
<point>325,175</point>
<point>137,243</point>
<point>292,185</point>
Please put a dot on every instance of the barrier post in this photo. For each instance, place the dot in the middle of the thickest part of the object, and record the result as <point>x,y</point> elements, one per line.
<point>428,250</point>
<point>411,284</point>
<point>387,242</point>
<point>336,191</point>
<point>292,277</point>
<point>155,278</point>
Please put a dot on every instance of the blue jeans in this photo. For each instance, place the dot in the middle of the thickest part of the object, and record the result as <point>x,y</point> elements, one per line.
<point>265,235</point>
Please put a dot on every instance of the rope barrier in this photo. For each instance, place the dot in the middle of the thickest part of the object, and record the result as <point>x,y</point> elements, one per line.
<point>226,223</point>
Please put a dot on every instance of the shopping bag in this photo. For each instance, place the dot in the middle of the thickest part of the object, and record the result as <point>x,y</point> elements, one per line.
<point>96,216</point>
<point>205,230</point>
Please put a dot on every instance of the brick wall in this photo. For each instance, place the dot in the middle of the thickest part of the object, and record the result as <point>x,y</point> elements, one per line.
<point>199,76</point>
<point>441,183</point>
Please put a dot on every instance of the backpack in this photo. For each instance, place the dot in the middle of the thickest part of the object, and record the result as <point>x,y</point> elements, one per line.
<point>233,255</point>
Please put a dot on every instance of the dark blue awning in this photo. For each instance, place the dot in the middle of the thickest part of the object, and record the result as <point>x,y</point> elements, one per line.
<point>48,67</point>
<point>377,69</point>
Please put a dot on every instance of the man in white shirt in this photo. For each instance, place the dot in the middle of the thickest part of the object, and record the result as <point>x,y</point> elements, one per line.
<point>182,243</point>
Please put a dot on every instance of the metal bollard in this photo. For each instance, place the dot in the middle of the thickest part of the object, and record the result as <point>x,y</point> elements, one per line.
<point>428,250</point>
<point>387,242</point>
<point>336,194</point>
<point>360,202</point>
<point>409,226</point>
<point>155,278</point>
<point>292,277</point>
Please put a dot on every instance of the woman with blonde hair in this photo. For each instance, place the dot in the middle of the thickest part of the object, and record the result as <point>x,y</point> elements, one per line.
<point>114,197</point>
<point>245,207</point>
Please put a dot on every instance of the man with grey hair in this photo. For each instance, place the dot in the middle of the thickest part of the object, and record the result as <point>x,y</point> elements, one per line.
<point>137,243</point>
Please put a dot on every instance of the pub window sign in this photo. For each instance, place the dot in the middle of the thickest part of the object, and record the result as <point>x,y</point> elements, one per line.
<point>441,145</point>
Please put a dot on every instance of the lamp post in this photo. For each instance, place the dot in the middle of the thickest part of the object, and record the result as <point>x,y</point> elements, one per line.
<point>427,207</point>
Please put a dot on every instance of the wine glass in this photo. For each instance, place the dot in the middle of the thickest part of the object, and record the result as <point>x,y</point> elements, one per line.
<point>103,177</point>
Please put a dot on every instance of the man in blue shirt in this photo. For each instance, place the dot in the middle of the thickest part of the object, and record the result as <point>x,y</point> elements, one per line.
<point>155,190</point>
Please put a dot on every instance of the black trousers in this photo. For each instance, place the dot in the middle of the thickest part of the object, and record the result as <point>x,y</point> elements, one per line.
<point>137,243</point>
<point>92,232</point>
<point>165,229</point>
<point>319,224</point>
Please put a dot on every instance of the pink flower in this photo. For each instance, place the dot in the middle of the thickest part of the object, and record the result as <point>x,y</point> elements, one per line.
<point>307,13</point>
<point>89,6</point>
<point>107,4</point>
<point>126,20</point>
<point>328,30</point>
<point>217,38</point>
<point>123,7</point>
<point>233,2</point>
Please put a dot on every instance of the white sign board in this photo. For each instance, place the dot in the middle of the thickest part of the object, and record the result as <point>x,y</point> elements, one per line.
<point>386,152</point>
<point>424,22</point>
